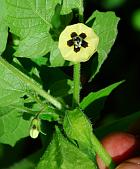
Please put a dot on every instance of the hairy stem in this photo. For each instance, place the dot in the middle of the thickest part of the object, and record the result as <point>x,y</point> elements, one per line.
<point>102,152</point>
<point>76,89</point>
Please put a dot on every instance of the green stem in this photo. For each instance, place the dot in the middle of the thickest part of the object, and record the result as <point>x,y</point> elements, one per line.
<point>31,83</point>
<point>102,152</point>
<point>76,90</point>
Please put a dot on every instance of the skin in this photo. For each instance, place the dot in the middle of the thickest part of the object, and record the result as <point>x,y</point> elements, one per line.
<point>133,163</point>
<point>121,146</point>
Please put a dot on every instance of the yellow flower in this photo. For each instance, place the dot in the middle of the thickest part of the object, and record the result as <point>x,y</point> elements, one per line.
<point>35,128</point>
<point>77,43</point>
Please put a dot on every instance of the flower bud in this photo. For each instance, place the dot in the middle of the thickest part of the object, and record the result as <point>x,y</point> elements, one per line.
<point>35,128</point>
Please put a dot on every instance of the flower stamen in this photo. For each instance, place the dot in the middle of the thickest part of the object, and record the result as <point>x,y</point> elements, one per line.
<point>77,41</point>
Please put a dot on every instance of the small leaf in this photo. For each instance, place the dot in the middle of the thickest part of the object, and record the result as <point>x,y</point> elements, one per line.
<point>40,60</point>
<point>45,112</point>
<point>49,113</point>
<point>93,96</point>
<point>49,116</point>
<point>105,26</point>
<point>94,102</point>
<point>63,154</point>
<point>78,127</point>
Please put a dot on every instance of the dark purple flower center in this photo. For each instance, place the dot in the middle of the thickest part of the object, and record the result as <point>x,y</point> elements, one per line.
<point>77,41</point>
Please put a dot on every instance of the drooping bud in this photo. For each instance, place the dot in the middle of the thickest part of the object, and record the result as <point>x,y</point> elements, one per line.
<point>35,128</point>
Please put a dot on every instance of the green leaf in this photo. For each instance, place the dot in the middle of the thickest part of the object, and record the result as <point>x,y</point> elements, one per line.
<point>31,21</point>
<point>3,36</point>
<point>30,16</point>
<point>93,96</point>
<point>31,86</point>
<point>12,89</point>
<point>105,26</point>
<point>14,85</point>
<point>94,102</point>
<point>3,27</point>
<point>34,46</point>
<point>78,127</point>
<point>56,58</point>
<point>68,5</point>
<point>63,154</point>
<point>49,114</point>
<point>40,60</point>
<point>13,125</point>
<point>42,110</point>
<point>25,163</point>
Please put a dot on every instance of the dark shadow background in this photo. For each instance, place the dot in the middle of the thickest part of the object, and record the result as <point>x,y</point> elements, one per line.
<point>122,62</point>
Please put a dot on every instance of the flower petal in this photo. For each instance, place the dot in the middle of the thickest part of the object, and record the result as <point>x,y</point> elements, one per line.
<point>88,47</point>
<point>70,42</point>
<point>34,133</point>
